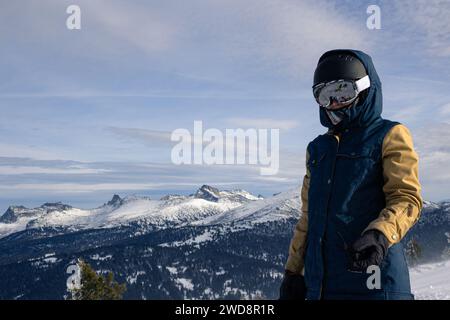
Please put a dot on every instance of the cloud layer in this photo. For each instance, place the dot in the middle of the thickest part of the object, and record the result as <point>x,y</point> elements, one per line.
<point>91,112</point>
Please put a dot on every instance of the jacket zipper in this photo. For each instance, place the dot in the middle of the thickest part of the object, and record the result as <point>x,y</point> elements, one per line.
<point>331,182</point>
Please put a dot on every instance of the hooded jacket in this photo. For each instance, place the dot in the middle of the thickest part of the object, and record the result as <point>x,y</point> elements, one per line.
<point>362,174</point>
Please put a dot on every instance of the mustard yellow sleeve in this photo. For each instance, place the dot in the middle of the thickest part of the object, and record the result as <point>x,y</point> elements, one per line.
<point>295,261</point>
<point>401,185</point>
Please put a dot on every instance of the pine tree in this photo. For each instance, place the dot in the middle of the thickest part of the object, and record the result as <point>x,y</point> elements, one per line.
<point>96,286</point>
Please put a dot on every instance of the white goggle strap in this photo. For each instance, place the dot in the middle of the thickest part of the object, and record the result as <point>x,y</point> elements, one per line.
<point>363,83</point>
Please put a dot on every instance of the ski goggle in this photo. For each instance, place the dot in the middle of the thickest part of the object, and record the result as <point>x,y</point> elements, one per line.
<point>341,91</point>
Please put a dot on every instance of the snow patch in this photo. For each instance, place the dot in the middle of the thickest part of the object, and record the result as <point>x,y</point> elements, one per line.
<point>101,258</point>
<point>431,281</point>
<point>184,283</point>
<point>131,279</point>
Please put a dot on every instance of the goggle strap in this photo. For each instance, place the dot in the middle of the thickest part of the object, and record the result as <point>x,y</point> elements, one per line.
<point>363,83</point>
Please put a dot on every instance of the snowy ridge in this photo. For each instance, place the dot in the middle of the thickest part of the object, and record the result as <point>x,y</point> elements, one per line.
<point>171,210</point>
<point>279,207</point>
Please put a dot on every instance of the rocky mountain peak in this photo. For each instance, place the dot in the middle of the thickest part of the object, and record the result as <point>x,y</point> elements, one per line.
<point>115,201</point>
<point>208,193</point>
<point>55,206</point>
<point>10,215</point>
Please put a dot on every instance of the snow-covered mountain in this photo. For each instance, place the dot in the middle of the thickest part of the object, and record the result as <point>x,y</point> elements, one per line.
<point>210,244</point>
<point>171,210</point>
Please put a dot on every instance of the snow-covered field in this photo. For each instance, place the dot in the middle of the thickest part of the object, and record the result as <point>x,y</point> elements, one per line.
<point>431,281</point>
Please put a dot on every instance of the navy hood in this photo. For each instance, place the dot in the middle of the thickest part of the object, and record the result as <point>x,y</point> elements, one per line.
<point>363,113</point>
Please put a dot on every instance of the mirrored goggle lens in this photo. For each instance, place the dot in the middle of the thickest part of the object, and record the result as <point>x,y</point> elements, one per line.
<point>340,91</point>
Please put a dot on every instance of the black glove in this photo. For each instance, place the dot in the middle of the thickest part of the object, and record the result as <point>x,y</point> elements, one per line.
<point>293,287</point>
<point>368,250</point>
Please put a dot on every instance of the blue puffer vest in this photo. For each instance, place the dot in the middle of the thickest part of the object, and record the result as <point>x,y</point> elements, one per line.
<point>345,195</point>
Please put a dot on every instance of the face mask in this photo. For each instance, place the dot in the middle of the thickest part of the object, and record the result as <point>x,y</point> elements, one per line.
<point>335,116</point>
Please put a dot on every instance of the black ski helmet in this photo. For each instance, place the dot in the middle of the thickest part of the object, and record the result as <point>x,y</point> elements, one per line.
<point>338,64</point>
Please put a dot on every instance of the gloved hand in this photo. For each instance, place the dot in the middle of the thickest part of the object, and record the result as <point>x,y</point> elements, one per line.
<point>369,249</point>
<point>293,287</point>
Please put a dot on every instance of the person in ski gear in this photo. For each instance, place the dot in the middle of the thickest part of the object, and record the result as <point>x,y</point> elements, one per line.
<point>360,194</point>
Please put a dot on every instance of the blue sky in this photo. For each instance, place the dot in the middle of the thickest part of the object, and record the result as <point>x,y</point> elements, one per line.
<point>88,113</point>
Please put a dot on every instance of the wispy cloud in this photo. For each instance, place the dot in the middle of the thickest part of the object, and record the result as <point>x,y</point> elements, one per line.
<point>290,35</point>
<point>432,145</point>
<point>428,20</point>
<point>264,123</point>
<point>134,24</point>
<point>147,136</point>
<point>21,150</point>
<point>445,111</point>
<point>91,187</point>
<point>433,138</point>
<point>19,170</point>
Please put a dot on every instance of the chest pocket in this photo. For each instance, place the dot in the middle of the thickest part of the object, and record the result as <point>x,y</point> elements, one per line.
<point>360,152</point>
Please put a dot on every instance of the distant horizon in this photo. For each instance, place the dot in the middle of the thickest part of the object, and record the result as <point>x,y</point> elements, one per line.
<point>153,196</point>
<point>158,196</point>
